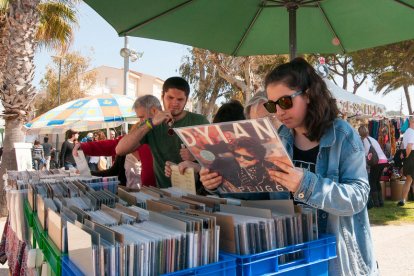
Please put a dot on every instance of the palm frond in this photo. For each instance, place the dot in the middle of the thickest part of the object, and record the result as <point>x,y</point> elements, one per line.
<point>56,24</point>
<point>4,4</point>
<point>392,80</point>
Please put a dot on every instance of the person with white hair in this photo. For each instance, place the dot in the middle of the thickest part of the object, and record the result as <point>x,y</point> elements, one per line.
<point>255,109</point>
<point>134,169</point>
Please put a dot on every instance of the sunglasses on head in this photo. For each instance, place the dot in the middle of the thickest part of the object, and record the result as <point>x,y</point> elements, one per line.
<point>284,102</point>
<point>245,157</point>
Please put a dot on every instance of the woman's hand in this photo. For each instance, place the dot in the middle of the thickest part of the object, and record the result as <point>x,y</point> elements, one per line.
<point>289,177</point>
<point>210,180</point>
<point>188,164</point>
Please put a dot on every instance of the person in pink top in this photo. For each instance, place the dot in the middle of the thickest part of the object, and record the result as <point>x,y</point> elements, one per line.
<point>375,171</point>
<point>145,107</point>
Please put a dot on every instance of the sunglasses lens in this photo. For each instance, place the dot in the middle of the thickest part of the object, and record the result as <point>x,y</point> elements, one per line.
<point>285,102</point>
<point>270,107</point>
<point>170,132</point>
<point>245,157</point>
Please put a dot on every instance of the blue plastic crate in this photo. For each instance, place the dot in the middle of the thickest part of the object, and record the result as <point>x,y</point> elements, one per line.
<point>225,266</point>
<point>309,258</point>
<point>69,268</point>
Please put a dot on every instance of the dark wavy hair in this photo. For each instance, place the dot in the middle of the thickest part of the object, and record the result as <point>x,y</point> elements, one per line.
<point>177,83</point>
<point>253,146</point>
<point>298,74</point>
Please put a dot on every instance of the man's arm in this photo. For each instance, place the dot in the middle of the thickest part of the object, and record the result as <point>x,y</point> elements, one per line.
<point>131,141</point>
<point>99,148</point>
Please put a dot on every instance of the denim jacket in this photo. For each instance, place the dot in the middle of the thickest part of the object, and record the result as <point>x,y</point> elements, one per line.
<point>340,187</point>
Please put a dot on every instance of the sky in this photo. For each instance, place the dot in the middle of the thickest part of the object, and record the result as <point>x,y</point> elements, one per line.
<point>97,39</point>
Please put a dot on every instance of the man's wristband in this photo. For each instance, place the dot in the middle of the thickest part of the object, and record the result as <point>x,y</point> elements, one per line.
<point>149,123</point>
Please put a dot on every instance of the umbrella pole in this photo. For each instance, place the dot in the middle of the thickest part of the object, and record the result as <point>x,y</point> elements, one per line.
<point>292,30</point>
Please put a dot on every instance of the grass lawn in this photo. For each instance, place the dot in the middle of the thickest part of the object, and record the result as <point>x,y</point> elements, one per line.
<point>392,214</point>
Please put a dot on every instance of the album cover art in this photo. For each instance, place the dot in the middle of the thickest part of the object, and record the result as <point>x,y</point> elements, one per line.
<point>242,152</point>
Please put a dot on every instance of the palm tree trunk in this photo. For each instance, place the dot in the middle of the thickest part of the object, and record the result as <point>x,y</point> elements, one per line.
<point>13,134</point>
<point>4,33</point>
<point>407,96</point>
<point>16,90</point>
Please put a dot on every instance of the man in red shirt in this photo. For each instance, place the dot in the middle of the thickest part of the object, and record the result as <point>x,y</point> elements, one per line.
<point>145,107</point>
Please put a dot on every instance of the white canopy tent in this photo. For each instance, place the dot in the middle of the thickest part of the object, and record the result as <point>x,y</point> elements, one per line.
<point>351,104</point>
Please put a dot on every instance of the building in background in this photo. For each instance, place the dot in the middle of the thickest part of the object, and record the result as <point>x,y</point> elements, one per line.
<point>111,80</point>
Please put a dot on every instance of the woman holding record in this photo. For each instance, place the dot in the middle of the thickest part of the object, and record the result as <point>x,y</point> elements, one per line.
<point>329,158</point>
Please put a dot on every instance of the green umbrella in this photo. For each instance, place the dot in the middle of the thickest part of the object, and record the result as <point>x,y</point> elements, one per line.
<point>257,27</point>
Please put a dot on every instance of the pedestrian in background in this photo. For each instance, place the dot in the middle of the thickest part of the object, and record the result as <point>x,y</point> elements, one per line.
<point>38,155</point>
<point>47,150</point>
<point>112,134</point>
<point>66,156</point>
<point>408,162</point>
<point>375,171</point>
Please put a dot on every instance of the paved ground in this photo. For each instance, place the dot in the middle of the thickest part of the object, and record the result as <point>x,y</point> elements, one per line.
<point>393,245</point>
<point>394,249</point>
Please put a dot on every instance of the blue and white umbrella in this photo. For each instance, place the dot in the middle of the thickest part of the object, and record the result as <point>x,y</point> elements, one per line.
<point>94,112</point>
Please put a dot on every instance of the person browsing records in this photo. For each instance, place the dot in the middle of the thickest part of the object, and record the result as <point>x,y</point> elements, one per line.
<point>329,158</point>
<point>135,169</point>
<point>230,111</point>
<point>254,109</point>
<point>158,132</point>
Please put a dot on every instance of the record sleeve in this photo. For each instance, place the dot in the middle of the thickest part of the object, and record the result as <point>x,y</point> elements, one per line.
<point>241,152</point>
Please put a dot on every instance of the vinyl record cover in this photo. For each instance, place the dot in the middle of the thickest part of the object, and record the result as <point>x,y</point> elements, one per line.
<point>241,152</point>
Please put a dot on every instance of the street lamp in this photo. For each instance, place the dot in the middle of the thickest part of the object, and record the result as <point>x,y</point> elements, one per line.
<point>57,135</point>
<point>128,54</point>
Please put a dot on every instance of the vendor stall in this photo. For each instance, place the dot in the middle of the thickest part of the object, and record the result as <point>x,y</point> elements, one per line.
<point>350,104</point>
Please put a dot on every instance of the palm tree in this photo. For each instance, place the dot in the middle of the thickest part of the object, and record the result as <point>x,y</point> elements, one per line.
<point>25,25</point>
<point>400,73</point>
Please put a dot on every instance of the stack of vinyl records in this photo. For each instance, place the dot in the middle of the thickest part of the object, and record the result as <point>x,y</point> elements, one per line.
<point>254,230</point>
<point>165,243</point>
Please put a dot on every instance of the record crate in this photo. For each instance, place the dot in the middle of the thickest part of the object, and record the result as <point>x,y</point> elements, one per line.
<point>40,237</point>
<point>309,258</point>
<point>225,266</point>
